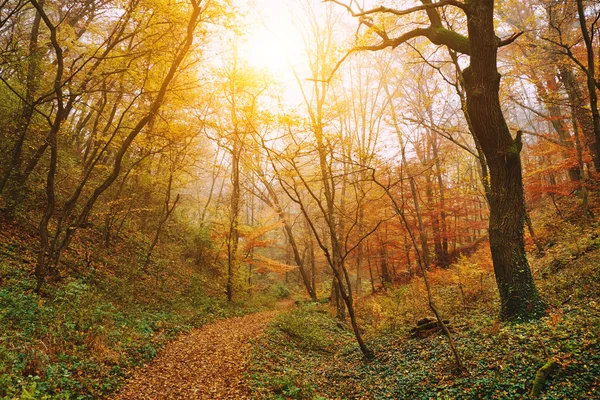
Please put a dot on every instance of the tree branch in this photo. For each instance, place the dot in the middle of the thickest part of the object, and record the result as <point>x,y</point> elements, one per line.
<point>436,35</point>
<point>510,39</point>
<point>387,10</point>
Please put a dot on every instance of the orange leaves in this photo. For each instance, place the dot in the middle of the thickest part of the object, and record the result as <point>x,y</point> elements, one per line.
<point>255,236</point>
<point>206,364</point>
<point>265,264</point>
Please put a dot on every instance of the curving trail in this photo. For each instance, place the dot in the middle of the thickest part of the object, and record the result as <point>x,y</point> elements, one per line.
<point>208,363</point>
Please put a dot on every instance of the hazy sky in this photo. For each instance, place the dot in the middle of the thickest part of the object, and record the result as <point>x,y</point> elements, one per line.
<point>274,43</point>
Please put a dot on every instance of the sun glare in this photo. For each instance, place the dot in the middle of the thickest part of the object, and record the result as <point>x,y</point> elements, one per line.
<point>272,42</point>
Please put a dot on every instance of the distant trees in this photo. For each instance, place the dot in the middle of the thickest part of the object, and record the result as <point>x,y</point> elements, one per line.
<point>560,15</point>
<point>269,195</point>
<point>322,217</point>
<point>240,96</point>
<point>557,115</point>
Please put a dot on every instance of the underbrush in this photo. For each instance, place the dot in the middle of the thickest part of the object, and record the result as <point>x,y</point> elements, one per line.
<point>82,337</point>
<point>501,358</point>
<point>295,343</point>
<point>76,343</point>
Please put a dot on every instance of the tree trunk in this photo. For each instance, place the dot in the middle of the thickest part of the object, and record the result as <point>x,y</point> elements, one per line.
<point>582,115</point>
<point>582,173</point>
<point>422,232</point>
<point>518,294</point>
<point>370,269</point>
<point>442,207</point>
<point>385,273</point>
<point>591,81</point>
<point>359,249</point>
<point>276,204</point>
<point>233,234</point>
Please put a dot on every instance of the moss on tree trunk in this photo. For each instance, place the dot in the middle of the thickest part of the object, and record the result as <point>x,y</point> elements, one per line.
<point>541,377</point>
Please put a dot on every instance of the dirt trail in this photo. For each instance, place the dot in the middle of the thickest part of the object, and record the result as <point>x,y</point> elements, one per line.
<point>208,363</point>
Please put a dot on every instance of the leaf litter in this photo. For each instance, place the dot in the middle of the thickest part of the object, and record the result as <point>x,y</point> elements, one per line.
<point>207,363</point>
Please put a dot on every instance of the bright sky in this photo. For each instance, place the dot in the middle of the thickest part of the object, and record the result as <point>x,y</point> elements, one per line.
<point>274,42</point>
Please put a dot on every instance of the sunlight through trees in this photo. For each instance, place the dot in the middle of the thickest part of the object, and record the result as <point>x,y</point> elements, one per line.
<point>326,151</point>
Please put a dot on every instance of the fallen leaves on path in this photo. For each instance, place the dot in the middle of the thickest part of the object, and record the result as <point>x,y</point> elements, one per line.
<point>208,363</point>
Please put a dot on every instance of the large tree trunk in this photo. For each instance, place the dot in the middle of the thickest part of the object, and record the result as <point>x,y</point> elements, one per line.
<point>518,294</point>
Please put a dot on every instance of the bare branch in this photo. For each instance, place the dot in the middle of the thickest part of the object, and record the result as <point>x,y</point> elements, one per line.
<point>510,39</point>
<point>545,137</point>
<point>387,10</point>
<point>436,35</point>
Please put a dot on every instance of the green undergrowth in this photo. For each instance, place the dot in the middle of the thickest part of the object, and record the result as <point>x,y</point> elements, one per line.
<point>82,337</point>
<point>295,343</point>
<point>76,343</point>
<point>502,358</point>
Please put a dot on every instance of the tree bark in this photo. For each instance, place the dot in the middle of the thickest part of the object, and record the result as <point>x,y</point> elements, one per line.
<point>233,234</point>
<point>518,294</point>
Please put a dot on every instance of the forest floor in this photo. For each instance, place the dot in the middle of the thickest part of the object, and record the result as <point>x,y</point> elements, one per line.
<point>207,363</point>
<point>96,326</point>
<point>307,354</point>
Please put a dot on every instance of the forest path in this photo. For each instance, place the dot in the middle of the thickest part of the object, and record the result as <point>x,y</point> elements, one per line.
<point>207,363</point>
